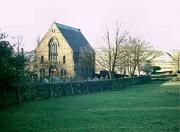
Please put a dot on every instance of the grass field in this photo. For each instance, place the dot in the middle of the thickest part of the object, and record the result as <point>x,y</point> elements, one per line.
<point>144,108</point>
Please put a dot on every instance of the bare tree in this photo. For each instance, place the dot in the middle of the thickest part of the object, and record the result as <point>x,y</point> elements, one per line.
<point>20,60</point>
<point>38,39</point>
<point>127,61</point>
<point>136,52</point>
<point>109,56</point>
<point>18,43</point>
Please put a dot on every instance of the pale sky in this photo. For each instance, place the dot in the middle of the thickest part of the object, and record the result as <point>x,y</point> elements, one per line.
<point>156,21</point>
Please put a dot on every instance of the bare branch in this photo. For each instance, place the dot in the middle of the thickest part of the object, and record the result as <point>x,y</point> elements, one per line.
<point>17,42</point>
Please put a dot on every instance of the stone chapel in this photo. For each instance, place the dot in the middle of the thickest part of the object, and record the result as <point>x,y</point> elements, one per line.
<point>64,52</point>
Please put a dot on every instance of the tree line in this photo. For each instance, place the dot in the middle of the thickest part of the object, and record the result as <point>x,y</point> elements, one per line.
<point>124,53</point>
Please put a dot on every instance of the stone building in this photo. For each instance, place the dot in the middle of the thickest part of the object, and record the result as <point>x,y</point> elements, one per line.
<point>64,52</point>
<point>169,62</point>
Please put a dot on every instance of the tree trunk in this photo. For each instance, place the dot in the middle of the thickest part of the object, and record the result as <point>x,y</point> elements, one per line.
<point>134,68</point>
<point>139,70</point>
<point>124,72</point>
<point>112,73</point>
<point>129,71</point>
<point>178,65</point>
<point>110,77</point>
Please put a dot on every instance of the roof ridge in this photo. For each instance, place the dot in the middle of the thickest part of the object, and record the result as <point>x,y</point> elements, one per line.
<point>67,27</point>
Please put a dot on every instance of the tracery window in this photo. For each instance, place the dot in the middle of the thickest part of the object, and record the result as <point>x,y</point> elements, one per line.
<point>53,45</point>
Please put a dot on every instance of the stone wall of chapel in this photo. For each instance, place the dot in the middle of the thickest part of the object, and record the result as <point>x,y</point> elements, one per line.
<point>63,49</point>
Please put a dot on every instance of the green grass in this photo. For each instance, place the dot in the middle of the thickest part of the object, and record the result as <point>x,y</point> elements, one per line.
<point>147,107</point>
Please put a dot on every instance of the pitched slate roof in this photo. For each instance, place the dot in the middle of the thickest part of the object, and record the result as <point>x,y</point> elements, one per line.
<point>73,36</point>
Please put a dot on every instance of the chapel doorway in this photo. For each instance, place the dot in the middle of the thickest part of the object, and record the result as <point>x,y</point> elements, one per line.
<point>53,71</point>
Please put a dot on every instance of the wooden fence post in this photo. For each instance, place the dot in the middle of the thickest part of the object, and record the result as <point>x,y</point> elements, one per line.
<point>87,87</point>
<point>112,85</point>
<point>100,85</point>
<point>51,93</point>
<point>72,90</point>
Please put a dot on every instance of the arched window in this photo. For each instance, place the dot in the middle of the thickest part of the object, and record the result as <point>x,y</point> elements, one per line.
<point>64,59</point>
<point>42,59</point>
<point>53,45</point>
<point>63,72</point>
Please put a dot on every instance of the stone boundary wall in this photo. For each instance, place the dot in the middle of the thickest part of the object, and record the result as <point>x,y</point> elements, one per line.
<point>45,91</point>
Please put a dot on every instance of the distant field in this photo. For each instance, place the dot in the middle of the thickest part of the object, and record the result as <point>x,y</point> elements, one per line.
<point>145,108</point>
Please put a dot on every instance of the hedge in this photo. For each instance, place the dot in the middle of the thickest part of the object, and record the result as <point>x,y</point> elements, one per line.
<point>44,91</point>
